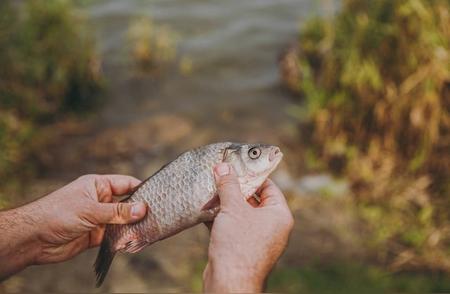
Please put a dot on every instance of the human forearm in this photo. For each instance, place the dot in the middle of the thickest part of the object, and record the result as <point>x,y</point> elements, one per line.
<point>18,242</point>
<point>220,277</point>
<point>246,239</point>
<point>62,224</point>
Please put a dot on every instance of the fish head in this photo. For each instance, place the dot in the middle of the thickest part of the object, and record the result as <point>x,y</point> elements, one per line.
<point>253,163</point>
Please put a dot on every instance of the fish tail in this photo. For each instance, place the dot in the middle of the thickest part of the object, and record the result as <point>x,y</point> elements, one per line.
<point>104,259</point>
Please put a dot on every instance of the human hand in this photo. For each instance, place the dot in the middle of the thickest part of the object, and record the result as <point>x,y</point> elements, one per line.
<point>62,224</point>
<point>246,238</point>
<point>74,217</point>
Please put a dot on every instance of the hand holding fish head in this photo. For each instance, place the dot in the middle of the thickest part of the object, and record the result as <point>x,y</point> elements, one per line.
<point>252,163</point>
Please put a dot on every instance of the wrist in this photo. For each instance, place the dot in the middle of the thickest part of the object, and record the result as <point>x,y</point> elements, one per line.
<point>19,246</point>
<point>220,276</point>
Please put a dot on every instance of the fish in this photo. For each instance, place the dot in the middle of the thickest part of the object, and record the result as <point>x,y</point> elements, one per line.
<point>183,194</point>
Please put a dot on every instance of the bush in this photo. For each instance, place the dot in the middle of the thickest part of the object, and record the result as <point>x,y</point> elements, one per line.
<point>48,68</point>
<point>376,83</point>
<point>152,46</point>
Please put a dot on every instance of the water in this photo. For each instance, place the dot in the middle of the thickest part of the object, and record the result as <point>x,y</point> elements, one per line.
<point>234,46</point>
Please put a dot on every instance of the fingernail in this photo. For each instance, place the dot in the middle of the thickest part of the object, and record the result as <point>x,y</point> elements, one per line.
<point>222,169</point>
<point>137,209</point>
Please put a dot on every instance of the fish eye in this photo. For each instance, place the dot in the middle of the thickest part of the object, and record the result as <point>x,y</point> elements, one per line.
<point>254,153</point>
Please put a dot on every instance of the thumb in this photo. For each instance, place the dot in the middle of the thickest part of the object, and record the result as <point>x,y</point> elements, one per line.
<point>120,213</point>
<point>228,186</point>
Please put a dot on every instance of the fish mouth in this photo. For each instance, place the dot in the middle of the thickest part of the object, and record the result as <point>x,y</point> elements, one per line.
<point>275,158</point>
<point>275,154</point>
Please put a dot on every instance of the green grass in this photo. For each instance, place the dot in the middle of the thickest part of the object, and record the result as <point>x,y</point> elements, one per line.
<point>353,278</point>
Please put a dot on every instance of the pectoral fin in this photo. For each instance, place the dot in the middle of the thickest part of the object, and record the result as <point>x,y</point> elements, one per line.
<point>212,203</point>
<point>210,209</point>
<point>134,246</point>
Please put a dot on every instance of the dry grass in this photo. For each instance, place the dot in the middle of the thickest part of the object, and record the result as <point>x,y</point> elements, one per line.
<point>376,83</point>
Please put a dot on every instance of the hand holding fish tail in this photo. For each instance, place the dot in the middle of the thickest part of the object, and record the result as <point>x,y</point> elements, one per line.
<point>246,238</point>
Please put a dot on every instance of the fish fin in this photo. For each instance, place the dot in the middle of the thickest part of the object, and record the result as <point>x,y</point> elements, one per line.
<point>103,262</point>
<point>229,150</point>
<point>212,203</point>
<point>209,214</point>
<point>209,225</point>
<point>135,245</point>
<point>210,209</point>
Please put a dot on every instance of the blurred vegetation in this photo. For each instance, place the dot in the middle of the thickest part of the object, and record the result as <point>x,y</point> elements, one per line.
<point>48,69</point>
<point>376,84</point>
<point>352,278</point>
<point>152,46</point>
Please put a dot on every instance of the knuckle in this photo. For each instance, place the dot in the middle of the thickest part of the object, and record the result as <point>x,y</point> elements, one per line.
<point>117,210</point>
<point>87,178</point>
<point>121,210</point>
<point>101,185</point>
<point>227,182</point>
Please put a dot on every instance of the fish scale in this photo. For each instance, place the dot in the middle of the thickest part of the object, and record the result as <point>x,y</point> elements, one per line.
<point>177,196</point>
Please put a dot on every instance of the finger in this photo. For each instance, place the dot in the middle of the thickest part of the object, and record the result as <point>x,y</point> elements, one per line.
<point>119,184</point>
<point>119,213</point>
<point>96,236</point>
<point>270,194</point>
<point>228,186</point>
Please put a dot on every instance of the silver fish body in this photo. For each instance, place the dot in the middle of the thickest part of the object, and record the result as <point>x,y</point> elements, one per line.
<point>183,193</point>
